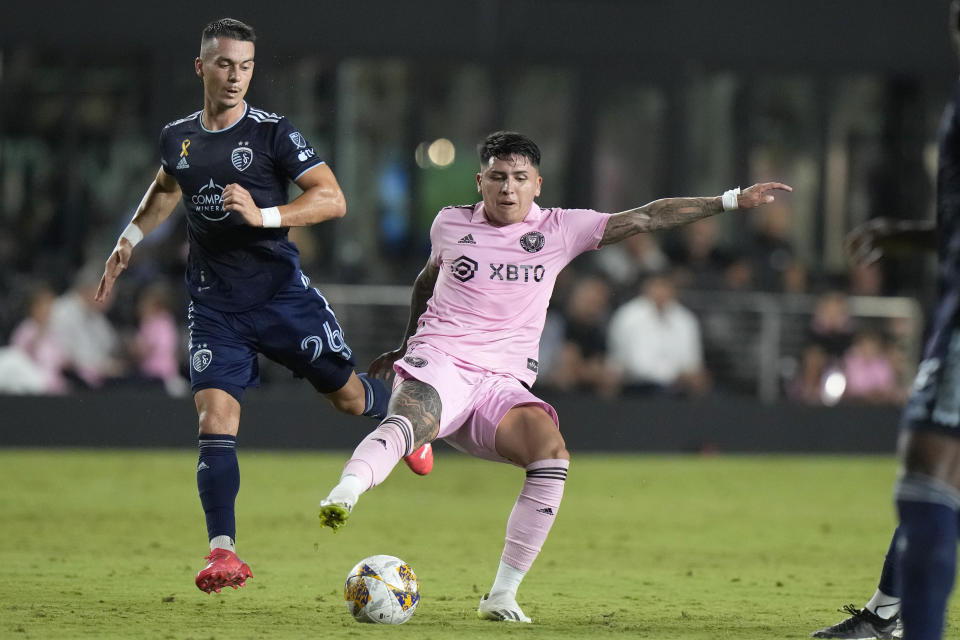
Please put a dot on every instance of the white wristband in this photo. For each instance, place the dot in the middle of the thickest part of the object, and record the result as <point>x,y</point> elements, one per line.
<point>271,217</point>
<point>133,234</point>
<point>729,199</point>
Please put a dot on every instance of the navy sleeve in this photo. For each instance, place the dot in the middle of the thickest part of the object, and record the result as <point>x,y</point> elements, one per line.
<point>292,153</point>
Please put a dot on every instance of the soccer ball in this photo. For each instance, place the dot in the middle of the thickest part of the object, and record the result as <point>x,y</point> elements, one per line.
<point>382,589</point>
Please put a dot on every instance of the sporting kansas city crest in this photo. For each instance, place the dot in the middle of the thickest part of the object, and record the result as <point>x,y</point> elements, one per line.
<point>202,359</point>
<point>241,158</point>
<point>532,242</point>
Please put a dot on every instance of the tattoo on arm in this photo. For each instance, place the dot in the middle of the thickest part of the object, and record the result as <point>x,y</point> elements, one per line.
<point>419,403</point>
<point>659,214</point>
<point>422,290</point>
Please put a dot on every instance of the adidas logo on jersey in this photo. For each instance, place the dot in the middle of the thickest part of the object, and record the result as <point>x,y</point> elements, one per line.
<point>546,511</point>
<point>467,239</point>
<point>183,164</point>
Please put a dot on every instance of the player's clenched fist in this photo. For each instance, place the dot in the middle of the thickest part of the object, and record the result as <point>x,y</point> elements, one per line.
<point>238,200</point>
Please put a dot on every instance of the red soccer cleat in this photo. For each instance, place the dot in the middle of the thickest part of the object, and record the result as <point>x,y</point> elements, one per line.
<point>225,569</point>
<point>421,460</point>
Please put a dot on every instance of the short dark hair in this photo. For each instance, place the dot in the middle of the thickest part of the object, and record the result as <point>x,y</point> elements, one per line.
<point>228,28</point>
<point>503,144</point>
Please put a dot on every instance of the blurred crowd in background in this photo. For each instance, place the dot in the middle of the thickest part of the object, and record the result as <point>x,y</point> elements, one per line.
<point>758,304</point>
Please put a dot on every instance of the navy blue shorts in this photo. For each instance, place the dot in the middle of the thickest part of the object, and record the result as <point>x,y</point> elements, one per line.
<point>934,402</point>
<point>296,328</point>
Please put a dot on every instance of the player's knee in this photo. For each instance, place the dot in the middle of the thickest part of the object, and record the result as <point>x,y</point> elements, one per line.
<point>543,439</point>
<point>554,448</point>
<point>217,412</point>
<point>217,422</point>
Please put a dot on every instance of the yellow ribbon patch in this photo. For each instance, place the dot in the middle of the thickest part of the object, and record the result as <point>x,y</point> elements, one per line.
<point>183,148</point>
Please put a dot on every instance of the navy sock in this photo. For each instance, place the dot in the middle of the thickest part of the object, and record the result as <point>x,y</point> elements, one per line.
<point>890,576</point>
<point>378,396</point>
<point>218,480</point>
<point>928,562</point>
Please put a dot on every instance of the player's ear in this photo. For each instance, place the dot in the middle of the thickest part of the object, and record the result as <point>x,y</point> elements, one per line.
<point>478,182</point>
<point>198,67</point>
<point>539,184</point>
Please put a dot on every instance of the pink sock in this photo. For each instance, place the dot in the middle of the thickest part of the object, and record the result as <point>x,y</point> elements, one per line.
<point>377,454</point>
<point>534,512</point>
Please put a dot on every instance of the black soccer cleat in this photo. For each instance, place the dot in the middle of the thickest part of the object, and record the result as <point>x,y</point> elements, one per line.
<point>861,625</point>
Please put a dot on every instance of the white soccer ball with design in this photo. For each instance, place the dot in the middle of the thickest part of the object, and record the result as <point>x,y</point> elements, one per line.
<point>382,589</point>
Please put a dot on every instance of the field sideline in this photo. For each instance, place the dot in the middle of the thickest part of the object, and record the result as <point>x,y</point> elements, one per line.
<point>105,544</point>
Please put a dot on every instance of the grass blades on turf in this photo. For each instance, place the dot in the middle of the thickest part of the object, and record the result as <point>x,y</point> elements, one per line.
<point>105,544</point>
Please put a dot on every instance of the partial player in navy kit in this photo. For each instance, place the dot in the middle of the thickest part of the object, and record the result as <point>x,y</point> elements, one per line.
<point>231,164</point>
<point>924,549</point>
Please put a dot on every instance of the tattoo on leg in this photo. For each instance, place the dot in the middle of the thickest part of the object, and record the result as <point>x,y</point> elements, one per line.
<point>419,403</point>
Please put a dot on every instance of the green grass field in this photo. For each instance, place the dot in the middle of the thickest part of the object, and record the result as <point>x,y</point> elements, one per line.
<point>105,544</point>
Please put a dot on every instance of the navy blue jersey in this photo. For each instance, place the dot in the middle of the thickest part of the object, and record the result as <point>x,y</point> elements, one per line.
<point>935,399</point>
<point>948,229</point>
<point>233,266</point>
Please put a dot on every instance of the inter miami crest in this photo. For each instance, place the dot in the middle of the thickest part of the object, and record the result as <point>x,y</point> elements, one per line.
<point>241,158</point>
<point>532,241</point>
<point>415,361</point>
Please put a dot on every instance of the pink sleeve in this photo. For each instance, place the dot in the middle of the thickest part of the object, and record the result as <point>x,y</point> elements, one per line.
<point>582,229</point>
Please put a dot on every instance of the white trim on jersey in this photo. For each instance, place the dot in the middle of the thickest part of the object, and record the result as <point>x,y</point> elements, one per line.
<point>182,120</point>
<point>246,109</point>
<point>262,116</point>
<point>308,169</point>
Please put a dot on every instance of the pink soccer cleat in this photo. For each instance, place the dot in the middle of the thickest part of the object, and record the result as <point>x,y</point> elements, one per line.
<point>421,460</point>
<point>225,569</point>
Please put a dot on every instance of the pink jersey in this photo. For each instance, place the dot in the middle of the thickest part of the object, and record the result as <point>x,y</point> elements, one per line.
<point>490,300</point>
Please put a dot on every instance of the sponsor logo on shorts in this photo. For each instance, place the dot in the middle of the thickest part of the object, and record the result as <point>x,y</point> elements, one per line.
<point>463,268</point>
<point>532,241</point>
<point>533,365</point>
<point>415,361</point>
<point>242,157</point>
<point>201,359</point>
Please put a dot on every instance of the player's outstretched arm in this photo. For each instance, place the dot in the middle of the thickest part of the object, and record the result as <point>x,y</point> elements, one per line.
<point>157,204</point>
<point>673,212</point>
<point>881,237</point>
<point>382,366</point>
<point>321,200</point>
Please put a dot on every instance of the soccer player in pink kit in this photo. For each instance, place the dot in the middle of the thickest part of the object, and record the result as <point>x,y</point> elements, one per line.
<point>469,354</point>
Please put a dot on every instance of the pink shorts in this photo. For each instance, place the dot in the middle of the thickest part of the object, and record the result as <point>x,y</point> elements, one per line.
<point>473,401</point>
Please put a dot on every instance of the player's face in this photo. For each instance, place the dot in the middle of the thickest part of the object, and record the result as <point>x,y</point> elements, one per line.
<point>226,67</point>
<point>508,187</point>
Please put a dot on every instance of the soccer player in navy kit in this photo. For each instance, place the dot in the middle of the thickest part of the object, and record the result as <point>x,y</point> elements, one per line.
<point>231,164</point>
<point>928,489</point>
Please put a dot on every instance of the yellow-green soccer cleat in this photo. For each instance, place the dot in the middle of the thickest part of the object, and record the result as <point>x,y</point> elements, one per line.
<point>334,514</point>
